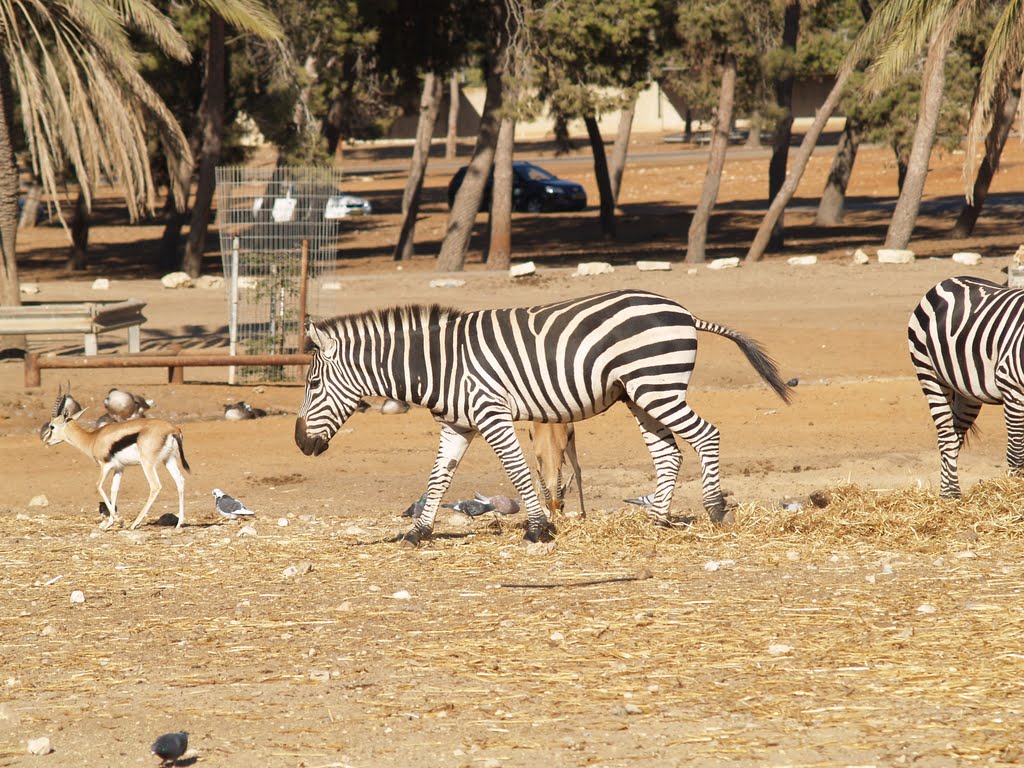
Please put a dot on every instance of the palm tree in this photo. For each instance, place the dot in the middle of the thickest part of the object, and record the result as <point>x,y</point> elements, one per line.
<point>70,68</point>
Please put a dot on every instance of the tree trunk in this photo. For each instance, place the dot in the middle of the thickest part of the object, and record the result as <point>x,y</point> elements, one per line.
<point>175,210</point>
<point>901,226</point>
<point>604,184</point>
<point>697,236</point>
<point>784,125</point>
<point>213,137</point>
<point>754,137</point>
<point>452,257</point>
<point>499,251</point>
<point>563,142</point>
<point>833,198</point>
<point>80,233</point>
<point>430,103</point>
<point>803,156</point>
<point>621,148</point>
<point>1002,121</point>
<point>451,143</point>
<point>10,291</point>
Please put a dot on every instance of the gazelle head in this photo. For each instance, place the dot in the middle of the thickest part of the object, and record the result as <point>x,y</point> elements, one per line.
<point>65,410</point>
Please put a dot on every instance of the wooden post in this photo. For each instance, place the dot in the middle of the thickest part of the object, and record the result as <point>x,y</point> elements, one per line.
<point>303,287</point>
<point>33,378</point>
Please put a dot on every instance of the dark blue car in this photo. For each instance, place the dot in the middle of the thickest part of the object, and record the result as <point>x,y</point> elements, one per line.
<point>533,190</point>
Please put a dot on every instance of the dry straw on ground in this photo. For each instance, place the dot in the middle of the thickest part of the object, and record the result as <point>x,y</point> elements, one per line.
<point>883,627</point>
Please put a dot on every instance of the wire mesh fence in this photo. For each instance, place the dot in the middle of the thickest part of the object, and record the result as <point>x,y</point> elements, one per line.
<point>268,218</point>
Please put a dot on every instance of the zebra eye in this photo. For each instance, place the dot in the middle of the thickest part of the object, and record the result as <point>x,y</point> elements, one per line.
<point>314,383</point>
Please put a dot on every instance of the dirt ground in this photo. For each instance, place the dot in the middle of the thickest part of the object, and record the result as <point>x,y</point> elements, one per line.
<point>778,642</point>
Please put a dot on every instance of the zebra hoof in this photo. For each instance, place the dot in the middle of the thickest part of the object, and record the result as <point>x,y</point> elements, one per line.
<point>411,540</point>
<point>536,534</point>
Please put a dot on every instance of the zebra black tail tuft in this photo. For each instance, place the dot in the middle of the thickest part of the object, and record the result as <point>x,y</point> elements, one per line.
<point>765,366</point>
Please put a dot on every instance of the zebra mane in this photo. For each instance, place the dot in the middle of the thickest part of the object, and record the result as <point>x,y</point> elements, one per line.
<point>405,316</point>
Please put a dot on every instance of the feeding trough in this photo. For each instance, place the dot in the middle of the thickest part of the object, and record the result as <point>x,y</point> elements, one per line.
<point>90,318</point>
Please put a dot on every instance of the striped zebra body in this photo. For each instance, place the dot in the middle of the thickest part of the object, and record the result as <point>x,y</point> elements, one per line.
<point>479,372</point>
<point>966,342</point>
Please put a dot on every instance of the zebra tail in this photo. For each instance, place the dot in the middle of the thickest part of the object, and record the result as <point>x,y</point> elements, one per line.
<point>181,452</point>
<point>765,366</point>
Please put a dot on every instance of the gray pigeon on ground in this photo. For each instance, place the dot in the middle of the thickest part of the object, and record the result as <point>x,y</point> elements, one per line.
<point>503,505</point>
<point>240,411</point>
<point>642,501</point>
<point>416,508</point>
<point>170,747</point>
<point>124,406</point>
<point>471,507</point>
<point>229,507</point>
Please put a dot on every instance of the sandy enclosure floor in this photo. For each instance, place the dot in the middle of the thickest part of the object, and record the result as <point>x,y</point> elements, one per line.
<point>885,629</point>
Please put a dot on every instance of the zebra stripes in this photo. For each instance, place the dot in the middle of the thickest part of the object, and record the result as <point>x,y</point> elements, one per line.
<point>966,346</point>
<point>479,372</point>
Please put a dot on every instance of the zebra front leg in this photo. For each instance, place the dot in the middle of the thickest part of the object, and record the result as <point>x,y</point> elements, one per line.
<point>453,444</point>
<point>663,449</point>
<point>500,434</point>
<point>1013,415</point>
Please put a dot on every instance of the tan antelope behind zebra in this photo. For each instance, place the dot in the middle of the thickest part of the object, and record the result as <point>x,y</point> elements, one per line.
<point>143,442</point>
<point>554,445</point>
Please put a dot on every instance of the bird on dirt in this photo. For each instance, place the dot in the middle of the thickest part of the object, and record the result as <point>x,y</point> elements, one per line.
<point>645,501</point>
<point>471,507</point>
<point>503,505</point>
<point>240,411</point>
<point>170,747</point>
<point>416,508</point>
<point>104,419</point>
<point>124,406</point>
<point>228,506</point>
<point>256,413</point>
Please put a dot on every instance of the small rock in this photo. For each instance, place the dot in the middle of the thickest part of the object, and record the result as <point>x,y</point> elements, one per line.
<point>654,266</point>
<point>101,284</point>
<point>447,283</point>
<point>178,280</point>
<point>802,261</point>
<point>522,270</point>
<point>792,506</point>
<point>927,608</point>
<point>39,501</point>
<point>29,288</point>
<point>631,709</point>
<point>779,649</point>
<point>712,565</point>
<point>859,257</point>
<point>793,555</point>
<point>355,530</point>
<point>40,746</point>
<point>401,595</point>
<point>895,256</point>
<point>967,258</point>
<point>77,597</point>
<point>793,382</point>
<point>730,263</point>
<point>320,675</point>
<point>539,548</point>
<point>967,534</point>
<point>210,282</point>
<point>48,631</point>
<point>589,268</point>
<point>282,522</point>
<point>556,637</point>
<point>967,554</point>
<point>820,499</point>
<point>300,569</point>
<point>246,530</point>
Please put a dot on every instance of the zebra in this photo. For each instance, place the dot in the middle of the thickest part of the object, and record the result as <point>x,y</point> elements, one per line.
<point>480,371</point>
<point>966,341</point>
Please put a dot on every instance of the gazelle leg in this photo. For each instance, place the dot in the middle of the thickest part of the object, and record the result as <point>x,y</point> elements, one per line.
<point>179,481</point>
<point>154,491</point>
<point>109,502</point>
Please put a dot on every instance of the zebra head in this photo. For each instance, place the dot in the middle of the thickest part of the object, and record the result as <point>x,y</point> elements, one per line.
<point>330,398</point>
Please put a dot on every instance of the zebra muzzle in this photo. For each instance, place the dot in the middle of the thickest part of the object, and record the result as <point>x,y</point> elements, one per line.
<point>311,445</point>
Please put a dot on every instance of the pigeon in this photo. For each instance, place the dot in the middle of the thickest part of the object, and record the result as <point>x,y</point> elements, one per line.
<point>503,505</point>
<point>642,501</point>
<point>416,508</point>
<point>256,413</point>
<point>229,507</point>
<point>471,507</point>
<point>104,419</point>
<point>123,406</point>
<point>170,747</point>
<point>390,406</point>
<point>240,411</point>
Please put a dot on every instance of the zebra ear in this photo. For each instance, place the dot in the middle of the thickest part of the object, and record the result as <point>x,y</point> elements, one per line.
<point>328,345</point>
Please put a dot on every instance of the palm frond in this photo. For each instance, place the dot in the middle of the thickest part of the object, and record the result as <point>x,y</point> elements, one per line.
<point>250,16</point>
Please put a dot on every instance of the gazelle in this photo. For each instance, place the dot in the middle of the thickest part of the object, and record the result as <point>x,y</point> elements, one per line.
<point>554,445</point>
<point>143,442</point>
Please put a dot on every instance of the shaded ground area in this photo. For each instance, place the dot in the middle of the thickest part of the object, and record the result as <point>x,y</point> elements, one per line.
<point>883,629</point>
